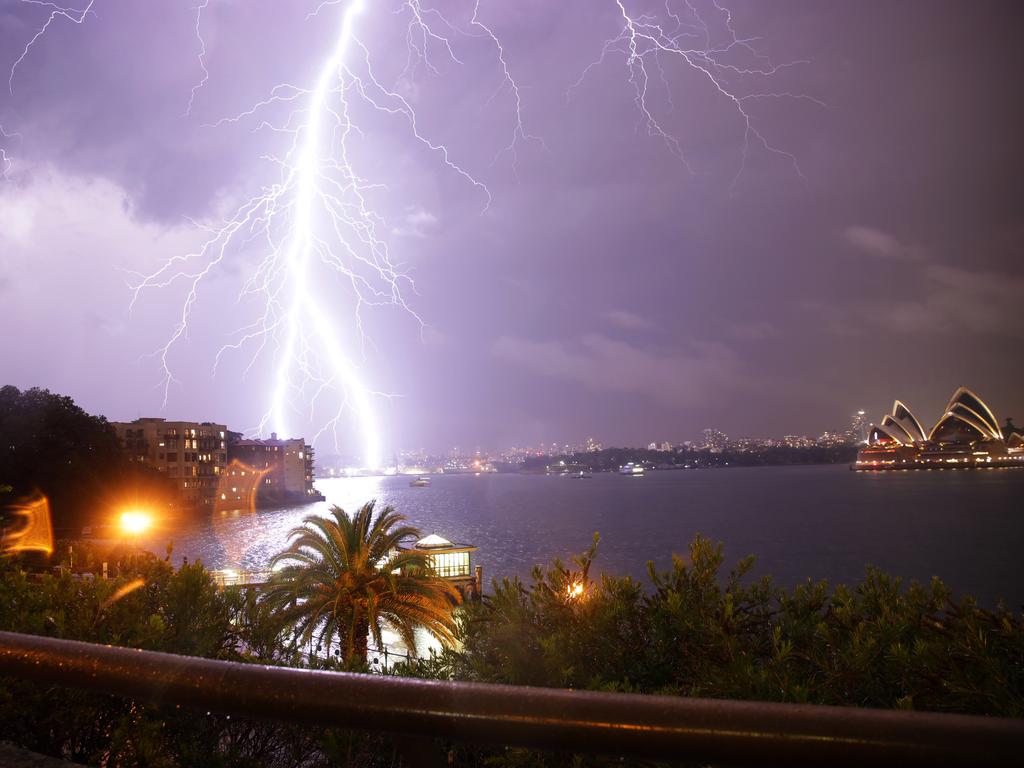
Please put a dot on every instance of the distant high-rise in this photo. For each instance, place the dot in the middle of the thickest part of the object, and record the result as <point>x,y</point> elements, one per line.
<point>859,425</point>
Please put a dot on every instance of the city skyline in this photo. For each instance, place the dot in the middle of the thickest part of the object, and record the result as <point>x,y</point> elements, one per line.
<point>603,289</point>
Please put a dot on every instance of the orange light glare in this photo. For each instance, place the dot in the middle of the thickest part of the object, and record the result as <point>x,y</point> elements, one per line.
<point>37,534</point>
<point>135,522</point>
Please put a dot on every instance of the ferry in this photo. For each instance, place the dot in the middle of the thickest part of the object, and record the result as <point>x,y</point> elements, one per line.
<point>420,482</point>
<point>631,469</point>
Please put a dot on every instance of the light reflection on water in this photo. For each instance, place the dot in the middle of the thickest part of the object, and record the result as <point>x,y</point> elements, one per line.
<point>800,522</point>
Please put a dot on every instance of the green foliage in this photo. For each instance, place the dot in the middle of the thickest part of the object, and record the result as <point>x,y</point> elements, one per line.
<point>693,630</point>
<point>150,605</point>
<point>697,632</point>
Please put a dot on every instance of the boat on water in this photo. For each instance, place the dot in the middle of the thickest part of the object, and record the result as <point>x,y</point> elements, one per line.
<point>631,469</point>
<point>420,482</point>
<point>567,469</point>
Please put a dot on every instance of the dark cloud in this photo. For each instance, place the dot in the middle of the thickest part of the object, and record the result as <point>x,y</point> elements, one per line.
<point>767,304</point>
<point>676,378</point>
<point>936,298</point>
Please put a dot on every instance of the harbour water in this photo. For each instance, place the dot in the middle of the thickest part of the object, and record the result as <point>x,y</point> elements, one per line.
<point>820,522</point>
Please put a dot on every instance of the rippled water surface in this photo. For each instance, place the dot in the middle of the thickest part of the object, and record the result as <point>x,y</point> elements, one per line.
<point>800,522</point>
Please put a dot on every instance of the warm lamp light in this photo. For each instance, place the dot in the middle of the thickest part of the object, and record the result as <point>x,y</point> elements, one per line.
<point>135,522</point>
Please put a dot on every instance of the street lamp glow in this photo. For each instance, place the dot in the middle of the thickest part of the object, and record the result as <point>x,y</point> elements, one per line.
<point>135,522</point>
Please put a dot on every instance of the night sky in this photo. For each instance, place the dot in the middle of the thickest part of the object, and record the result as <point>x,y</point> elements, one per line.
<point>607,289</point>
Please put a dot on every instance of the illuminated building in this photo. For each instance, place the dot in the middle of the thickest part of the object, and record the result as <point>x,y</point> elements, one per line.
<point>966,435</point>
<point>715,441</point>
<point>452,562</point>
<point>859,425</point>
<point>286,467</point>
<point>192,454</point>
<point>239,487</point>
<point>832,439</point>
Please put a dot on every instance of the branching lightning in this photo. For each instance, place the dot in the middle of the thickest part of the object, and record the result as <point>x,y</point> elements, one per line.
<point>74,15</point>
<point>686,36</point>
<point>56,12</point>
<point>315,217</point>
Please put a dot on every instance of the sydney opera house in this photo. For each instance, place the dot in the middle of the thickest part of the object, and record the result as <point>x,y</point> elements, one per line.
<point>967,435</point>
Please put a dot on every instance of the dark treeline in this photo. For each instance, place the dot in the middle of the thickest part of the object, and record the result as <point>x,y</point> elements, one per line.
<point>51,446</point>
<point>610,459</point>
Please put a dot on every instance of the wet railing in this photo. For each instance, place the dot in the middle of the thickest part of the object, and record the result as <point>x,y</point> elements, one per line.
<point>666,728</point>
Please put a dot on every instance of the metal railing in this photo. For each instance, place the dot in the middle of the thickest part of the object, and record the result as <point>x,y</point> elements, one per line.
<point>627,725</point>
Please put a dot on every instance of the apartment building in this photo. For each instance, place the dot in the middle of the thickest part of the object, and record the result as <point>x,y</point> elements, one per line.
<point>192,454</point>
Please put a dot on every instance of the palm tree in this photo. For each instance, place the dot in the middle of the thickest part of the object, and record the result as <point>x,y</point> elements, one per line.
<point>344,576</point>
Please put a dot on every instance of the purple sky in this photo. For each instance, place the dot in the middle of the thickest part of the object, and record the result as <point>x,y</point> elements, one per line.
<point>607,290</point>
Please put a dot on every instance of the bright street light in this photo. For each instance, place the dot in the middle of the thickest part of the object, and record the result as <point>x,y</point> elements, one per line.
<point>135,522</point>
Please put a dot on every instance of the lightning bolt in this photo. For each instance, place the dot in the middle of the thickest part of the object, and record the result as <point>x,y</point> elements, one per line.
<point>316,217</point>
<point>313,226</point>
<point>6,163</point>
<point>202,58</point>
<point>519,133</point>
<point>686,35</point>
<point>73,15</point>
<point>56,12</point>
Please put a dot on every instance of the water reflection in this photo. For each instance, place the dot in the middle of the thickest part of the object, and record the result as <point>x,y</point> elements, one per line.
<point>800,522</point>
<point>246,539</point>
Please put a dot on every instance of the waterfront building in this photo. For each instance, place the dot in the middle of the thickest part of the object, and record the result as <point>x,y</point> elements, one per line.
<point>966,434</point>
<point>452,562</point>
<point>286,467</point>
<point>192,454</point>
<point>239,487</point>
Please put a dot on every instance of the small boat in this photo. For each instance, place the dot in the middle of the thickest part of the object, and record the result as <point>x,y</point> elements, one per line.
<point>631,469</point>
<point>420,482</point>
